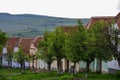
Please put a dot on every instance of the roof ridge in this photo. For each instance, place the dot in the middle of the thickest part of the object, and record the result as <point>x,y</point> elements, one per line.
<point>36,38</point>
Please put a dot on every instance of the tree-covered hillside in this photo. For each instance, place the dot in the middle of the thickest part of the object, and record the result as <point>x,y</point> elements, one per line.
<point>32,25</point>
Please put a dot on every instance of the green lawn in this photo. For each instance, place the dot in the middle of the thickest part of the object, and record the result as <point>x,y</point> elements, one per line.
<point>15,74</point>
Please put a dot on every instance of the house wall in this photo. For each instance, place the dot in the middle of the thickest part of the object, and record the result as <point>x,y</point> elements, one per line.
<point>94,66</point>
<point>64,65</point>
<point>83,66</point>
<point>104,67</point>
<point>39,64</point>
<point>4,57</point>
<point>113,64</point>
<point>4,60</point>
<point>54,65</point>
<point>42,64</point>
<point>14,63</point>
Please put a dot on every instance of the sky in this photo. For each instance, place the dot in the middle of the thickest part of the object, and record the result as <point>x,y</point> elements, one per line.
<point>62,8</point>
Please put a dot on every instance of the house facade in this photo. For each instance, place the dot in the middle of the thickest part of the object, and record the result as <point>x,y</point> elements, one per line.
<point>29,47</point>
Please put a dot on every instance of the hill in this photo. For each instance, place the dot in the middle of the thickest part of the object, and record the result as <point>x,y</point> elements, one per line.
<point>32,25</point>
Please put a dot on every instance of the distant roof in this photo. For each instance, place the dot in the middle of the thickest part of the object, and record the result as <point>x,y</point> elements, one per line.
<point>108,19</point>
<point>37,40</point>
<point>68,28</point>
<point>24,43</point>
<point>12,42</point>
<point>118,19</point>
<point>93,20</point>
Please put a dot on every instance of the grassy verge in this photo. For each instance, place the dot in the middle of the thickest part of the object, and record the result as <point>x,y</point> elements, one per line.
<point>15,74</point>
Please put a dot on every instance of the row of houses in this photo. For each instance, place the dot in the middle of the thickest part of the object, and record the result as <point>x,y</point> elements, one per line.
<point>30,45</point>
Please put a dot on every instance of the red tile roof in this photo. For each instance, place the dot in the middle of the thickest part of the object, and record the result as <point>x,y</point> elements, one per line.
<point>93,20</point>
<point>107,19</point>
<point>37,40</point>
<point>25,44</point>
<point>68,28</point>
<point>12,42</point>
<point>118,19</point>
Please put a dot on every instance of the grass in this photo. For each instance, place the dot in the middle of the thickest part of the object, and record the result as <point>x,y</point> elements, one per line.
<point>15,74</point>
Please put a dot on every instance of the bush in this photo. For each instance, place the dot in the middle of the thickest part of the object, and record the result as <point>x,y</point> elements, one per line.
<point>117,74</point>
<point>67,77</point>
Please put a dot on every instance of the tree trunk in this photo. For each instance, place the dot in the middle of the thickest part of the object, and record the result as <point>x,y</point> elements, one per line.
<point>118,61</point>
<point>100,66</point>
<point>22,67</point>
<point>0,61</point>
<point>74,69</point>
<point>33,63</point>
<point>59,65</point>
<point>49,66</point>
<point>87,67</point>
<point>10,63</point>
<point>67,66</point>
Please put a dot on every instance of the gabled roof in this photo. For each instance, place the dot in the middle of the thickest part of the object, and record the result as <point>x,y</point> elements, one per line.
<point>12,42</point>
<point>37,40</point>
<point>24,43</point>
<point>107,19</point>
<point>93,20</point>
<point>118,19</point>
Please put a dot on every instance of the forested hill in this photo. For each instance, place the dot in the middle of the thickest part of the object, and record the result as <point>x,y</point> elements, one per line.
<point>32,25</point>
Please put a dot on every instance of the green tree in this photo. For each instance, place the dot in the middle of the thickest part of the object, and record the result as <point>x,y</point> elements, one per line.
<point>34,57</point>
<point>57,42</point>
<point>88,49</point>
<point>20,57</point>
<point>44,48</point>
<point>3,40</point>
<point>114,40</point>
<point>74,44</point>
<point>9,56</point>
<point>102,49</point>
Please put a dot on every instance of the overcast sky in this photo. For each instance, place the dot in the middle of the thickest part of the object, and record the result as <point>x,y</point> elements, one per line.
<point>62,8</point>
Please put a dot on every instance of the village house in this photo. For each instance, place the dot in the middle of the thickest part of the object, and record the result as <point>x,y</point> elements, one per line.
<point>110,66</point>
<point>29,47</point>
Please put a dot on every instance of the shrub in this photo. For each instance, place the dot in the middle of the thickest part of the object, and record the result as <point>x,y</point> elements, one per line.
<point>67,77</point>
<point>117,74</point>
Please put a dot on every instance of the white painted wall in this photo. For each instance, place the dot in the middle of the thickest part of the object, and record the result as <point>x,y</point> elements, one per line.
<point>4,60</point>
<point>113,64</point>
<point>4,50</point>
<point>42,64</point>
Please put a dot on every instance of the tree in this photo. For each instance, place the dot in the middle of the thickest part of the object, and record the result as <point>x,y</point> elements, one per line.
<point>88,49</point>
<point>74,44</point>
<point>57,45</point>
<point>102,49</point>
<point>9,56</point>
<point>3,40</point>
<point>34,57</point>
<point>114,40</point>
<point>44,47</point>
<point>20,57</point>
